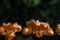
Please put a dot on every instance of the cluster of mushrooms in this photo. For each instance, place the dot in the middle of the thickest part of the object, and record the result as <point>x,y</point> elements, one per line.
<point>39,29</point>
<point>9,30</point>
<point>36,28</point>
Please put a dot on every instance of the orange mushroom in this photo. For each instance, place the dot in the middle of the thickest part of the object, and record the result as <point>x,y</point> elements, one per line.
<point>1,30</point>
<point>12,27</point>
<point>58,29</point>
<point>9,36</point>
<point>36,25</point>
<point>39,33</point>
<point>49,32</point>
<point>44,26</point>
<point>17,27</point>
<point>7,27</point>
<point>30,24</point>
<point>27,31</point>
<point>10,30</point>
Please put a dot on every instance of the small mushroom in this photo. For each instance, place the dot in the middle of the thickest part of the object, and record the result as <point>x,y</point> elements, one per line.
<point>49,32</point>
<point>44,26</point>
<point>1,30</point>
<point>29,24</point>
<point>17,27</point>
<point>9,36</point>
<point>12,27</point>
<point>26,31</point>
<point>36,25</point>
<point>7,27</point>
<point>39,33</point>
<point>58,29</point>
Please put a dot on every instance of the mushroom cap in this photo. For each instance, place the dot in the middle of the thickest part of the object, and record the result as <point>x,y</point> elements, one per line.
<point>1,30</point>
<point>44,26</point>
<point>39,33</point>
<point>29,24</point>
<point>26,31</point>
<point>58,26</point>
<point>58,29</point>
<point>17,27</point>
<point>6,24</point>
<point>36,25</point>
<point>9,35</point>
<point>49,32</point>
<point>8,28</point>
<point>12,27</point>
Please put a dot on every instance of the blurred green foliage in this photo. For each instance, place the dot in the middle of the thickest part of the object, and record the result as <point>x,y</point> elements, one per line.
<point>32,2</point>
<point>44,14</point>
<point>36,2</point>
<point>53,2</point>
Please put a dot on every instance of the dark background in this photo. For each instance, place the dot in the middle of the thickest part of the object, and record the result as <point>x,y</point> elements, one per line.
<point>19,11</point>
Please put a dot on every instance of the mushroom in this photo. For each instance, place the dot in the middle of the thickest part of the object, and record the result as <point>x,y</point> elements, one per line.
<point>29,24</point>
<point>7,27</point>
<point>58,29</point>
<point>12,27</point>
<point>10,30</point>
<point>36,25</point>
<point>39,33</point>
<point>44,26</point>
<point>17,27</point>
<point>49,32</point>
<point>26,31</point>
<point>9,36</point>
<point>1,30</point>
<point>33,23</point>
